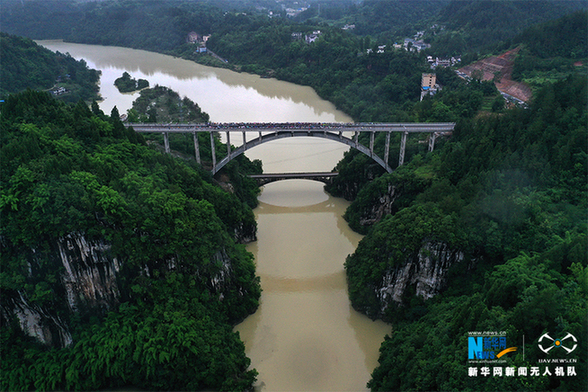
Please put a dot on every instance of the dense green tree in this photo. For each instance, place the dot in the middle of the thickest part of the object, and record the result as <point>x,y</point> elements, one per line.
<point>28,65</point>
<point>126,84</point>
<point>525,296</point>
<point>184,281</point>
<point>508,192</point>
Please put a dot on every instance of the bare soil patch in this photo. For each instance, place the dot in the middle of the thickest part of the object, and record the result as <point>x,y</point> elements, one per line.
<point>499,69</point>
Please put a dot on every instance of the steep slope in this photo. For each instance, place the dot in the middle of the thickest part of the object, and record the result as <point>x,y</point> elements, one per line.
<point>499,70</point>
<point>107,243</point>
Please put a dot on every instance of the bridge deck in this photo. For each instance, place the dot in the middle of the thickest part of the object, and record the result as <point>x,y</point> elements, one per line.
<point>273,131</point>
<point>277,127</point>
<point>263,179</point>
<point>294,175</point>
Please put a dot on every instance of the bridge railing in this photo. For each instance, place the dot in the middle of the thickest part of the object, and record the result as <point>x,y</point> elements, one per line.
<point>272,127</point>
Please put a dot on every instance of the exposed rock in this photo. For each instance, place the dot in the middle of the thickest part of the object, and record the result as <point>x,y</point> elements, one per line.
<point>87,282</point>
<point>90,272</point>
<point>427,271</point>
<point>36,322</point>
<point>349,190</point>
<point>499,69</point>
<point>245,234</point>
<point>221,279</point>
<point>380,209</point>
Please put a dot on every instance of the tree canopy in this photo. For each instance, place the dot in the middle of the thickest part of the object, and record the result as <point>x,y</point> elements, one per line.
<point>69,170</point>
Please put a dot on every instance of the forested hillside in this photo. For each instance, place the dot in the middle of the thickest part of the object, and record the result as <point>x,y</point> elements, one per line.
<point>553,50</point>
<point>500,211</point>
<point>375,87</point>
<point>483,26</point>
<point>121,258</point>
<point>28,65</point>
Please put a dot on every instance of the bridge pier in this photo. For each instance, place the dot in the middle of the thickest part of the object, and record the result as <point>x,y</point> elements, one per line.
<point>402,148</point>
<point>387,148</point>
<point>166,141</point>
<point>213,152</point>
<point>372,144</point>
<point>432,137</point>
<point>196,148</point>
<point>229,145</point>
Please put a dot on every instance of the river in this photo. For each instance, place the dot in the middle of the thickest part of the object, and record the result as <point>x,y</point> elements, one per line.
<point>305,336</point>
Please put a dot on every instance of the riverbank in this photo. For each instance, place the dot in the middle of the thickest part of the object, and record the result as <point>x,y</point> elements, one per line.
<point>304,300</point>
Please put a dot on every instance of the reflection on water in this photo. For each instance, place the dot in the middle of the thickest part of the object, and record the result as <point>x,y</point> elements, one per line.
<point>225,95</point>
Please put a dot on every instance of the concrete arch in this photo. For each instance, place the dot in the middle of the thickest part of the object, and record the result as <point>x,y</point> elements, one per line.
<point>282,134</point>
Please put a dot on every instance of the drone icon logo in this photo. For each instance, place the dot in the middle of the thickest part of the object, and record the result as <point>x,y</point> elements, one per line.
<point>552,343</point>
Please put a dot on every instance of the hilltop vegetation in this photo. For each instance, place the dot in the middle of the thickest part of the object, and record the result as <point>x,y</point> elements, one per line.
<point>553,50</point>
<point>126,84</point>
<point>491,26</point>
<point>161,104</point>
<point>28,65</point>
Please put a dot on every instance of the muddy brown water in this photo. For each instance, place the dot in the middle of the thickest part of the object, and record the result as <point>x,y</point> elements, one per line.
<point>305,336</point>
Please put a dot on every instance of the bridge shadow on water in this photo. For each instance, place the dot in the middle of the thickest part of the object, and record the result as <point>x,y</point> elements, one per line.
<point>282,284</point>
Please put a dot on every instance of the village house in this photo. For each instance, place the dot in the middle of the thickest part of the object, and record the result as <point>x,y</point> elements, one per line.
<point>292,12</point>
<point>312,37</point>
<point>297,36</point>
<point>199,40</point>
<point>429,84</point>
<point>443,62</point>
<point>413,45</point>
<point>308,38</point>
<point>193,37</point>
<point>59,90</point>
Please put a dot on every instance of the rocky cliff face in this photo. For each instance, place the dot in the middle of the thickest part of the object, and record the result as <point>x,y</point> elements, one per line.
<point>90,272</point>
<point>245,234</point>
<point>380,209</point>
<point>87,279</point>
<point>426,271</point>
<point>37,322</point>
<point>87,284</point>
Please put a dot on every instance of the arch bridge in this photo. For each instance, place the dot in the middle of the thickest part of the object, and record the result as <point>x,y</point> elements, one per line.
<point>267,132</point>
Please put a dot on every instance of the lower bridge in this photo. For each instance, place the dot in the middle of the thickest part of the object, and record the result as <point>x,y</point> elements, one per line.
<point>263,179</point>
<point>267,132</point>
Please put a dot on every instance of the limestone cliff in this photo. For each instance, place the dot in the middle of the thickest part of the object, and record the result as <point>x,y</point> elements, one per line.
<point>245,233</point>
<point>88,284</point>
<point>384,196</point>
<point>86,279</point>
<point>426,271</point>
<point>381,208</point>
<point>90,271</point>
